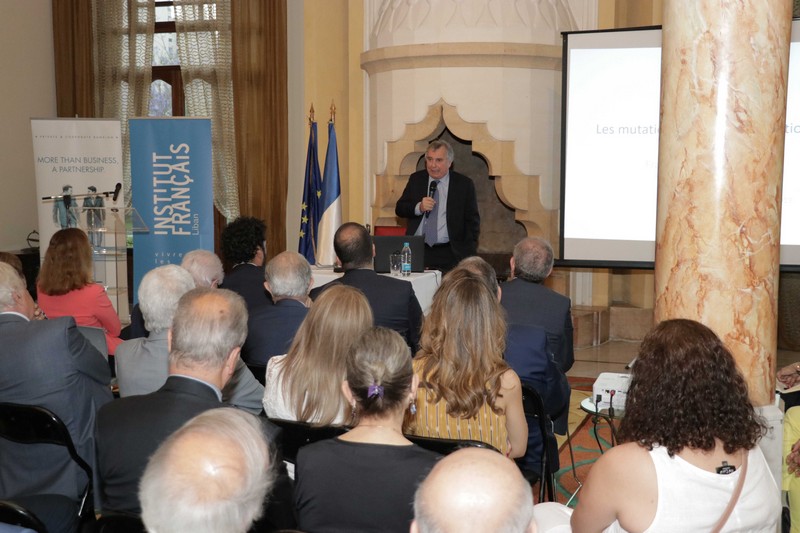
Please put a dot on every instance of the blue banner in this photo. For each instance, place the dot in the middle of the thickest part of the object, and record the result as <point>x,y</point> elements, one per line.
<point>172,190</point>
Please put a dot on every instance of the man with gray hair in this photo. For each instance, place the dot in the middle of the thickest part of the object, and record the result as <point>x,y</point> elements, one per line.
<point>271,328</point>
<point>476,490</point>
<point>528,302</point>
<point>211,475</point>
<point>205,339</point>
<point>47,363</point>
<point>206,270</point>
<point>205,267</point>
<point>142,364</point>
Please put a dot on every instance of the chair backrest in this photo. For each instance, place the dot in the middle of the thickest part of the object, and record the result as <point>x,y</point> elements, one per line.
<point>119,524</point>
<point>16,515</point>
<point>447,446</point>
<point>295,435</point>
<point>533,407</point>
<point>31,424</point>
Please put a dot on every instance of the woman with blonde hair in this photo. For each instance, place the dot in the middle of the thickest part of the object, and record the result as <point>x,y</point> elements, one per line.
<point>305,384</point>
<point>66,286</point>
<point>467,391</point>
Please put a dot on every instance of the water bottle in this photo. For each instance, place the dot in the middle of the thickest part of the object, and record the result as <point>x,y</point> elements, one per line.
<point>405,255</point>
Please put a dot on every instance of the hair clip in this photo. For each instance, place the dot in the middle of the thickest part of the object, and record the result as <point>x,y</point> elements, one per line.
<point>375,390</point>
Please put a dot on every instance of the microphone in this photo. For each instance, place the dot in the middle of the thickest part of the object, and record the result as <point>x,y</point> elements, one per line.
<point>117,188</point>
<point>431,191</point>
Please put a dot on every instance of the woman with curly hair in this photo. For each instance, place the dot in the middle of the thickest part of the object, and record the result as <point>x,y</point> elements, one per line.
<point>66,286</point>
<point>467,391</point>
<point>306,383</point>
<point>690,439</point>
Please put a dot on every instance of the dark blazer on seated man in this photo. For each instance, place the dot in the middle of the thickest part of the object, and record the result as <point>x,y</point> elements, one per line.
<point>271,330</point>
<point>527,354</point>
<point>48,363</point>
<point>393,301</point>
<point>207,332</point>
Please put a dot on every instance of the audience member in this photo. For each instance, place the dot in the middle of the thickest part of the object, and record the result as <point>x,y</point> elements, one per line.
<point>66,288</point>
<point>393,302</point>
<point>365,479</point>
<point>467,391</point>
<point>47,363</point>
<point>305,384</point>
<point>529,303</point>
<point>211,475</point>
<point>526,353</point>
<point>690,438</point>
<point>207,333</point>
<point>271,328</point>
<point>206,270</point>
<point>474,490</point>
<point>142,363</point>
<point>14,261</point>
<point>446,215</point>
<point>244,247</point>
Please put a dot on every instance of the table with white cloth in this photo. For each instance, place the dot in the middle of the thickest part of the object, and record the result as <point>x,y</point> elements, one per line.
<point>424,283</point>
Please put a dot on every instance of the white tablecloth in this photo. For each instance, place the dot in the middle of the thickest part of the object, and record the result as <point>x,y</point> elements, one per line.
<point>424,283</point>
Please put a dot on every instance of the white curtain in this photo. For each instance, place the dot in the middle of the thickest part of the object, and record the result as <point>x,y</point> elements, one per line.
<point>123,54</point>
<point>204,48</point>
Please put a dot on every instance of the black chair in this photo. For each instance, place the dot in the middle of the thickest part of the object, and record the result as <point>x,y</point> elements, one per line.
<point>16,515</point>
<point>30,424</point>
<point>259,371</point>
<point>533,406</point>
<point>447,446</point>
<point>120,524</point>
<point>295,435</point>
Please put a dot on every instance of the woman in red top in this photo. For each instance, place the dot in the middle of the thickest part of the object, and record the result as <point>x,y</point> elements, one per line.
<point>66,287</point>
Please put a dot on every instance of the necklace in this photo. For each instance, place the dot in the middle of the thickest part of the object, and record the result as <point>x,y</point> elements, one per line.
<point>378,426</point>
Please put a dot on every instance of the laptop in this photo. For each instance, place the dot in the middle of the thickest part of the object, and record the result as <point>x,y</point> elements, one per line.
<point>385,245</point>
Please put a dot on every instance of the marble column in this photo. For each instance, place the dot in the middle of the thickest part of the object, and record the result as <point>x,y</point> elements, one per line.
<point>723,109</point>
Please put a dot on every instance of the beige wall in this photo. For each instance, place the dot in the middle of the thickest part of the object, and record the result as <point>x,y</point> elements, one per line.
<point>28,90</point>
<point>326,38</point>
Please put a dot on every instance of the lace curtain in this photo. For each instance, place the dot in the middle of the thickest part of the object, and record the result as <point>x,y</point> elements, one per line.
<point>204,47</point>
<point>123,61</point>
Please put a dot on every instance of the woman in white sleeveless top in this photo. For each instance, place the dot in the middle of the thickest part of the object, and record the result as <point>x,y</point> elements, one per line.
<point>687,414</point>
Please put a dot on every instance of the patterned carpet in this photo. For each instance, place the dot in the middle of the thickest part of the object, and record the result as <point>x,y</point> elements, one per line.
<point>586,443</point>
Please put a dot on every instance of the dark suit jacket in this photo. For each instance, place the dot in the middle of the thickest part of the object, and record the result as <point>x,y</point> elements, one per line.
<point>247,281</point>
<point>393,302</point>
<point>463,218</point>
<point>50,364</point>
<point>533,304</point>
<point>271,329</point>
<point>129,431</point>
<point>527,354</point>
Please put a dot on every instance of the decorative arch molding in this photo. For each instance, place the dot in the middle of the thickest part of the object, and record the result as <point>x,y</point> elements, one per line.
<point>518,191</point>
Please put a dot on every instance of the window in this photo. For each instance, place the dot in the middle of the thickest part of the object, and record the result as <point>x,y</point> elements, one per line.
<point>166,89</point>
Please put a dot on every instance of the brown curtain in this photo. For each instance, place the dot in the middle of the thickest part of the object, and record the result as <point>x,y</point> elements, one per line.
<point>72,44</point>
<point>260,109</point>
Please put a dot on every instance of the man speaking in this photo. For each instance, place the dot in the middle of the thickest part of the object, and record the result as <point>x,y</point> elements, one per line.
<point>442,206</point>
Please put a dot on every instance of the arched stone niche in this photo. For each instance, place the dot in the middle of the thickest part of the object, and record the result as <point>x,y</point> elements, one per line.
<point>516,190</point>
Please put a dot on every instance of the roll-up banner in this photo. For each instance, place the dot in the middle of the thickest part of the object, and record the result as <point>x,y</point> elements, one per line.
<point>78,166</point>
<point>172,190</point>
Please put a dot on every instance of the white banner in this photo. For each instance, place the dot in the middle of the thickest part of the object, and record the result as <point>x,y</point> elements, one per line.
<point>78,164</point>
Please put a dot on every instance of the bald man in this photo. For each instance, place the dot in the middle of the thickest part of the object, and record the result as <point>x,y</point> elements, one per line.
<point>475,490</point>
<point>212,475</point>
